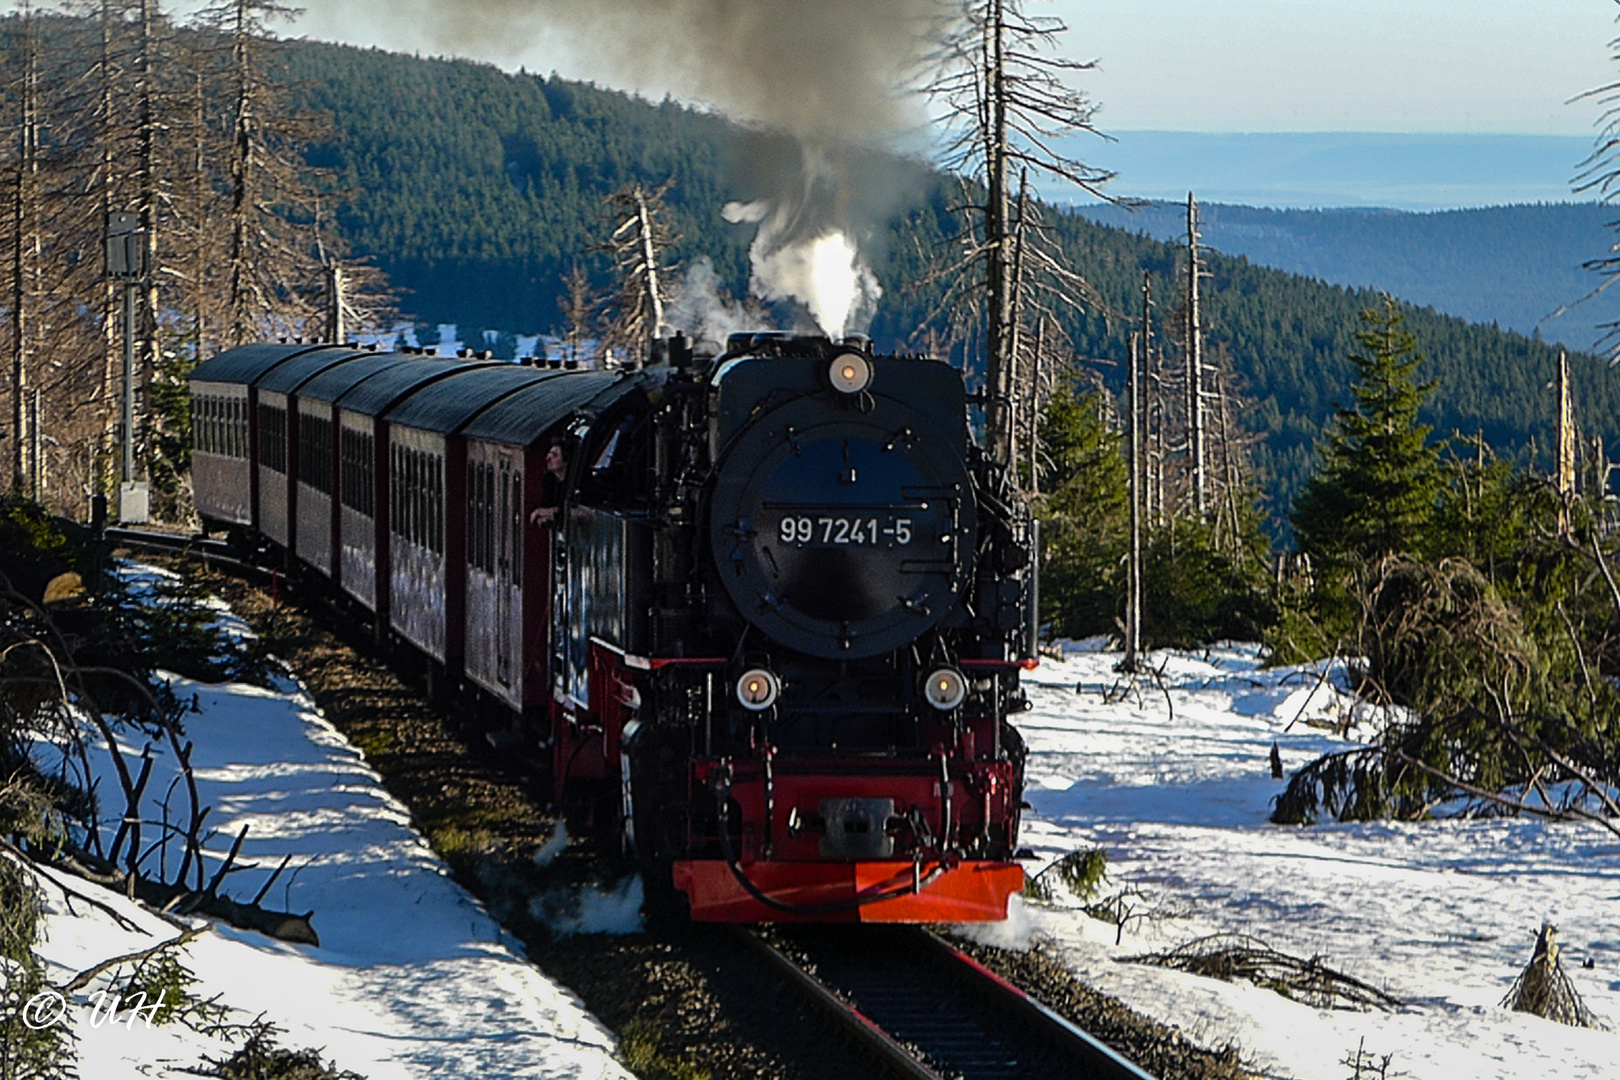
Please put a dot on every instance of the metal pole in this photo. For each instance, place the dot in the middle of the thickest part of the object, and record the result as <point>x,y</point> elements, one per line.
<point>36,441</point>
<point>131,287</point>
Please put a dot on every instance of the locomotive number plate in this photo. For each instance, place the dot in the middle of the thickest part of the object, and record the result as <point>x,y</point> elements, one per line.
<point>841,530</point>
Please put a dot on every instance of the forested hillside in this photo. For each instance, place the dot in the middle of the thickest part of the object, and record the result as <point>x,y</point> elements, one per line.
<point>478,190</point>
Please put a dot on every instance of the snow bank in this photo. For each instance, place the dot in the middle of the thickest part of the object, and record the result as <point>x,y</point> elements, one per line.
<point>1174,780</point>
<point>412,978</point>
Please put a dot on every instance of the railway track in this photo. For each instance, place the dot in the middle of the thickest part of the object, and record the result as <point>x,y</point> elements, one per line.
<point>914,1005</point>
<point>928,1011</point>
<point>212,552</point>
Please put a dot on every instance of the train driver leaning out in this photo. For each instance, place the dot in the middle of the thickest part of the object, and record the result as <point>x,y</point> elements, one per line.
<point>551,482</point>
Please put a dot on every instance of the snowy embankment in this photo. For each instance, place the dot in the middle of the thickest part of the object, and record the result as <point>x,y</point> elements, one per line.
<point>1174,780</point>
<point>412,979</point>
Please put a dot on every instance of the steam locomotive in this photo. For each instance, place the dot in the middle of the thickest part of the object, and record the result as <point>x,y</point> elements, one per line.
<point>772,603</point>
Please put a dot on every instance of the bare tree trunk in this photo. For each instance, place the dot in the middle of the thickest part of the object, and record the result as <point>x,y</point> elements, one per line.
<point>649,255</point>
<point>1152,408</point>
<point>24,252</point>
<point>107,137</point>
<point>200,207</point>
<point>1228,466</point>
<point>240,329</point>
<point>1195,367</point>
<point>998,359</point>
<point>1015,321</point>
<point>1133,567</point>
<point>1035,406</point>
<point>336,287</point>
<point>146,193</point>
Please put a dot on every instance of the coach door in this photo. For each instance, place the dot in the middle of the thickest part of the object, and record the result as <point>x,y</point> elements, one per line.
<point>508,553</point>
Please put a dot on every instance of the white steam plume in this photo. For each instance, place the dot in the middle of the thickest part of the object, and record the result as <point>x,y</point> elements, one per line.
<point>825,272</point>
<point>702,308</point>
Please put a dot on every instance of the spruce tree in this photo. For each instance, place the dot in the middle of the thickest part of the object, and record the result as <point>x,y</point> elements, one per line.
<point>1375,491</point>
<point>1083,514</point>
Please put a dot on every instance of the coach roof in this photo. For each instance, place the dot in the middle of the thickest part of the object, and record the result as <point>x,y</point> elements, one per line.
<point>291,374</point>
<point>524,417</point>
<point>334,382</point>
<point>383,390</point>
<point>447,405</point>
<point>249,363</point>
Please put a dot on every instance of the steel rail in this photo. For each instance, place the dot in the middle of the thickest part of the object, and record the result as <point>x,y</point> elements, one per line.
<point>897,1058</point>
<point>925,1009</point>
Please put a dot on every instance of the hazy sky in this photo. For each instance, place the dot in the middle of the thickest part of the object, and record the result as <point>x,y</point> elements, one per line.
<point>1471,66</point>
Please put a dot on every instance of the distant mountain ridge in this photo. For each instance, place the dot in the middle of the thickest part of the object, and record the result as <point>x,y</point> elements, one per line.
<point>1512,266</point>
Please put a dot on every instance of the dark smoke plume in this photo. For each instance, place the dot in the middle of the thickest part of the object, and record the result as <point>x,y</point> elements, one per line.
<point>830,75</point>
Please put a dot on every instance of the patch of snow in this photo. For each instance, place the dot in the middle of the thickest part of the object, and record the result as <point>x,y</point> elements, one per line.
<point>412,978</point>
<point>1172,776</point>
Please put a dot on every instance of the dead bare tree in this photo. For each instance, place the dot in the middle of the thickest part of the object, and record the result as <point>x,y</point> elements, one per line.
<point>1599,175</point>
<point>272,262</point>
<point>578,307</point>
<point>23,235</point>
<point>1193,347</point>
<point>637,243</point>
<point>1006,95</point>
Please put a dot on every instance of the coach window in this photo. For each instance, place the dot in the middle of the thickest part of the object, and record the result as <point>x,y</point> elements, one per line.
<point>480,516</point>
<point>419,498</point>
<point>394,492</point>
<point>435,504</point>
<point>357,479</point>
<point>475,514</point>
<point>273,438</point>
<point>514,529</point>
<point>412,509</point>
<point>610,481</point>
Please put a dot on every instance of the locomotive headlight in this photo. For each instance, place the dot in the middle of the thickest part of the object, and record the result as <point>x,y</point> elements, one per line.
<point>757,689</point>
<point>945,688</point>
<point>850,373</point>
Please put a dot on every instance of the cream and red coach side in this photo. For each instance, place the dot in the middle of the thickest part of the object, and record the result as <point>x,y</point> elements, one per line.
<point>509,551</point>
<point>226,436</point>
<point>364,514</point>
<point>326,477</point>
<point>280,452</point>
<point>427,479</point>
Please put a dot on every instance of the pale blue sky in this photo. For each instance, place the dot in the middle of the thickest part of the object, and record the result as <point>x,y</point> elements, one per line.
<point>1464,66</point>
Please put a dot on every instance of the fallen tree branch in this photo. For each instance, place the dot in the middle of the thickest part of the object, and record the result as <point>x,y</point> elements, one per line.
<point>88,975</point>
<point>1239,956</point>
<point>163,898</point>
<point>39,870</point>
<point>1569,813</point>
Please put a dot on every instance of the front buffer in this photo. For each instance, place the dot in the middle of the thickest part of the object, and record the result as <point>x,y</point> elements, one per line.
<point>972,891</point>
<point>833,841</point>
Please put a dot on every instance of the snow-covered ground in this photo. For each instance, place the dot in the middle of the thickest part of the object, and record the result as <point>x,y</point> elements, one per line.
<point>1175,783</point>
<point>412,978</point>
